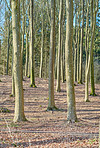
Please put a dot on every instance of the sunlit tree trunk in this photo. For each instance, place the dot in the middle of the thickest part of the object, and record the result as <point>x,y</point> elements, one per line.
<point>42,46</point>
<point>8,46</point>
<point>27,55</point>
<point>86,50</point>
<point>91,49</point>
<point>92,63</point>
<point>19,98</point>
<point>78,43</point>
<point>81,44</point>
<point>31,52</point>
<point>59,46</point>
<point>51,103</point>
<point>71,109</point>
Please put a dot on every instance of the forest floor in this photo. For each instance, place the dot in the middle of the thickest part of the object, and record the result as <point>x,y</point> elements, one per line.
<point>47,129</point>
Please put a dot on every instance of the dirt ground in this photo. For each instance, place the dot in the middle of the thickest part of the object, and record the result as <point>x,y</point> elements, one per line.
<point>48,129</point>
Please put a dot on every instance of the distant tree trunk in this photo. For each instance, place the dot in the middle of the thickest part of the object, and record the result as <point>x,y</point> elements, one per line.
<point>71,113</point>
<point>78,43</point>
<point>19,99</point>
<point>59,47</point>
<point>13,81</point>
<point>27,55</point>
<point>86,50</point>
<point>75,50</point>
<point>42,46</point>
<point>51,103</point>
<point>81,44</point>
<point>31,56</point>
<point>7,68</point>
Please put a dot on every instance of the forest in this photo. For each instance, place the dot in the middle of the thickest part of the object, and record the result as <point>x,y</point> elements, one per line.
<point>49,73</point>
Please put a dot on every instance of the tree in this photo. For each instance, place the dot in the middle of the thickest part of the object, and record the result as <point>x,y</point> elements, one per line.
<point>42,42</point>
<point>71,112</point>
<point>81,44</point>
<point>31,51</point>
<point>51,103</point>
<point>19,99</point>
<point>59,46</point>
<point>93,24</point>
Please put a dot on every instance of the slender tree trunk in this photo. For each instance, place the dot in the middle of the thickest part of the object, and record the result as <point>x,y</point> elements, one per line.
<point>59,47</point>
<point>71,113</point>
<point>51,103</point>
<point>86,50</point>
<point>92,63</point>
<point>78,43</point>
<point>32,78</point>
<point>27,55</point>
<point>81,44</point>
<point>42,46</point>
<point>19,99</point>
<point>90,54</point>
<point>7,68</point>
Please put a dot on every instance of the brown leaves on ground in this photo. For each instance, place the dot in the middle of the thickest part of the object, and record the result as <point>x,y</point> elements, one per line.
<point>46,129</point>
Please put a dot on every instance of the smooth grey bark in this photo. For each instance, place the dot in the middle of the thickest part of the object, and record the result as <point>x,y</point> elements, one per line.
<point>8,46</point>
<point>71,108</point>
<point>42,46</point>
<point>78,43</point>
<point>59,47</point>
<point>19,98</point>
<point>91,51</point>
<point>81,44</point>
<point>27,55</point>
<point>86,50</point>
<point>51,103</point>
<point>31,51</point>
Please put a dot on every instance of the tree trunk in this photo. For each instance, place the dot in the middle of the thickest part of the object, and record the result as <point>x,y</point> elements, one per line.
<point>78,42</point>
<point>7,68</point>
<point>81,44</point>
<point>27,55</point>
<point>42,46</point>
<point>71,111</point>
<point>59,47</point>
<point>51,103</point>
<point>31,56</point>
<point>19,99</point>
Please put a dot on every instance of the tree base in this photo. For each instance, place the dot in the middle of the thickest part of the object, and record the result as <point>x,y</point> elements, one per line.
<point>93,94</point>
<point>87,100</point>
<point>33,85</point>
<point>58,90</point>
<point>72,120</point>
<point>53,109</point>
<point>11,95</point>
<point>18,119</point>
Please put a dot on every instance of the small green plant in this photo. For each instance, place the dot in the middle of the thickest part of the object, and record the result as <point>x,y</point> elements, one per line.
<point>4,110</point>
<point>40,105</point>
